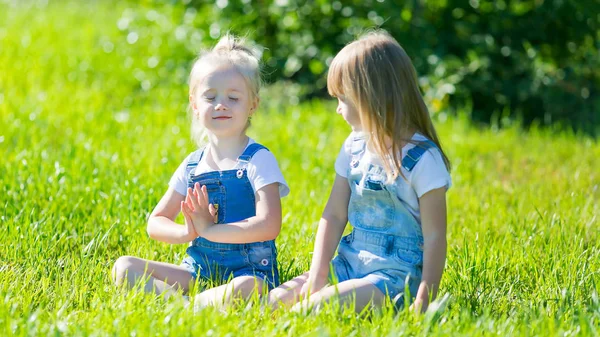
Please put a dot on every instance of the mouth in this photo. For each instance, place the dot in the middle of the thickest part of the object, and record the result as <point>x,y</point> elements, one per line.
<point>221,117</point>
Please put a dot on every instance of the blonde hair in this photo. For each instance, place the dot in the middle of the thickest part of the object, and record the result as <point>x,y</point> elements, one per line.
<point>376,75</point>
<point>233,51</point>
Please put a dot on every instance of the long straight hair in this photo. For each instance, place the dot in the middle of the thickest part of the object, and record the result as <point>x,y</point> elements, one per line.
<point>376,75</point>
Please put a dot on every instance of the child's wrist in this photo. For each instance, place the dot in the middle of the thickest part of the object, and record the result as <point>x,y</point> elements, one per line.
<point>188,236</point>
<point>318,275</point>
<point>203,229</point>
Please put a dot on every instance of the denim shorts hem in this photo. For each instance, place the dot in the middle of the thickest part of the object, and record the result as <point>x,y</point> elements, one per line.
<point>272,281</point>
<point>260,275</point>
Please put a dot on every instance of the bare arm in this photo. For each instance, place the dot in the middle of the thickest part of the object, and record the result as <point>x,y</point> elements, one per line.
<point>433,223</point>
<point>331,228</point>
<point>265,225</point>
<point>161,223</point>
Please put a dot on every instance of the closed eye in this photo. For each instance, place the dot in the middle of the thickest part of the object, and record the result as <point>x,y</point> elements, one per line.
<point>235,99</point>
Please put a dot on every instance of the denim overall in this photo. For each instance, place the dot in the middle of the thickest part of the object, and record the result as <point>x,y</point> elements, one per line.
<point>386,243</point>
<point>232,195</point>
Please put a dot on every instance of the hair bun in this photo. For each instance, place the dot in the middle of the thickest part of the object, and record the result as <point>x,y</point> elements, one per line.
<point>229,43</point>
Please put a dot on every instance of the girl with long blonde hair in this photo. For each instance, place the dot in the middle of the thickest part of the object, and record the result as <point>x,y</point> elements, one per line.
<point>391,182</point>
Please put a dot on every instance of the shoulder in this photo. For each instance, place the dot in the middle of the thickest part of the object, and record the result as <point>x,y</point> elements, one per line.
<point>194,157</point>
<point>353,140</point>
<point>264,170</point>
<point>430,171</point>
<point>261,158</point>
<point>257,151</point>
<point>179,179</point>
<point>429,152</point>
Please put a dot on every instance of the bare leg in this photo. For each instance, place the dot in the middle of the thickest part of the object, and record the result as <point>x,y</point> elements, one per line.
<point>358,291</point>
<point>241,287</point>
<point>288,293</point>
<point>160,278</point>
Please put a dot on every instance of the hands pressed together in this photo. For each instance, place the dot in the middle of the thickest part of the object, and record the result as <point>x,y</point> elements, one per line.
<point>199,214</point>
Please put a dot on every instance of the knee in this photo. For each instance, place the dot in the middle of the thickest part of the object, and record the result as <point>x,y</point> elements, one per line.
<point>122,266</point>
<point>276,297</point>
<point>246,284</point>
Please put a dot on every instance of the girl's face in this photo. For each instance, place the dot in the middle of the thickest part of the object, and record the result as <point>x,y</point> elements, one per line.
<point>222,102</point>
<point>349,112</point>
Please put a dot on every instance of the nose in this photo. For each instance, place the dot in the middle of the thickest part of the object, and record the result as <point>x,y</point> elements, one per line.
<point>220,106</point>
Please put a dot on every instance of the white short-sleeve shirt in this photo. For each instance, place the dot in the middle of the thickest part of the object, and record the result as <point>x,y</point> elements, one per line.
<point>429,173</point>
<point>262,170</point>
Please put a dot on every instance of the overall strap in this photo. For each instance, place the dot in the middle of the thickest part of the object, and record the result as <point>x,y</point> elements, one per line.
<point>250,151</point>
<point>413,155</point>
<point>192,163</point>
<point>358,145</point>
<point>357,148</point>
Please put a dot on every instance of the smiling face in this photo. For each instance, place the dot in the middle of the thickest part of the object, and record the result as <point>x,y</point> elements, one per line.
<point>222,102</point>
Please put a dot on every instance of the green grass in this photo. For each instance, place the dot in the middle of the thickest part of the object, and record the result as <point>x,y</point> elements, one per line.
<point>92,127</point>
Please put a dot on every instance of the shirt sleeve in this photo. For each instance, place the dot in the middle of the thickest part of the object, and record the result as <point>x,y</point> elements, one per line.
<point>430,173</point>
<point>263,170</point>
<point>179,181</point>
<point>343,159</point>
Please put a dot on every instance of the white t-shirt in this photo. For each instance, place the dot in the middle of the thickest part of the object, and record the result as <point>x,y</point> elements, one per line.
<point>262,170</point>
<point>429,173</point>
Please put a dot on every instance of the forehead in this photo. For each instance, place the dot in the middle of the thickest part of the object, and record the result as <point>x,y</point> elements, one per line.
<point>223,77</point>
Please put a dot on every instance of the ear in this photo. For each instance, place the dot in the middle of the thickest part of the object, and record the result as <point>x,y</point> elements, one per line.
<point>254,104</point>
<point>192,103</point>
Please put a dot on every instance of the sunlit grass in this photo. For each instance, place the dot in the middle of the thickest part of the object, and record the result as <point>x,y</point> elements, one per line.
<point>92,127</point>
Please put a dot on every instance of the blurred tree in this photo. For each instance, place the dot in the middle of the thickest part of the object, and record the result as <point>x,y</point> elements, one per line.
<point>523,59</point>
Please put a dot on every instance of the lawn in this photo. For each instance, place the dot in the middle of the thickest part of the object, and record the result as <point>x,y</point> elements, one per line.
<point>93,123</point>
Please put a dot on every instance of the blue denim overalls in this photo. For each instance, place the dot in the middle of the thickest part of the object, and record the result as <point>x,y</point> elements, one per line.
<point>386,243</point>
<point>231,193</point>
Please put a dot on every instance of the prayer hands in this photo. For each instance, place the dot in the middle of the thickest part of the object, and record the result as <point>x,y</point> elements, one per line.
<point>199,214</point>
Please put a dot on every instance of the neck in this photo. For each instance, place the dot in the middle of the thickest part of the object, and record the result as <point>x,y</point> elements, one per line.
<point>227,147</point>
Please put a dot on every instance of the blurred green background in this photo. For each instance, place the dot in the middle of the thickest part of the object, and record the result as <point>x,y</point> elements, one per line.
<point>531,61</point>
<point>93,123</point>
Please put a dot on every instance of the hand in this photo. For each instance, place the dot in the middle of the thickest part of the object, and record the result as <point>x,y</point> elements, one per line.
<point>419,306</point>
<point>312,286</point>
<point>190,231</point>
<point>197,211</point>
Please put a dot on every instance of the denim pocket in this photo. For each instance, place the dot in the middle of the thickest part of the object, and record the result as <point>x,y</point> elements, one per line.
<point>373,185</point>
<point>261,258</point>
<point>409,257</point>
<point>216,198</point>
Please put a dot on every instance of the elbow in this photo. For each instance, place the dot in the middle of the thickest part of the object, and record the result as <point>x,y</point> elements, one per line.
<point>273,229</point>
<point>150,227</point>
<point>435,243</point>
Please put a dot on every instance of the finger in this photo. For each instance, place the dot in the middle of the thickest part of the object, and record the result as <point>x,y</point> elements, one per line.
<point>212,210</point>
<point>187,213</point>
<point>188,199</point>
<point>204,195</point>
<point>194,199</point>
<point>202,198</point>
